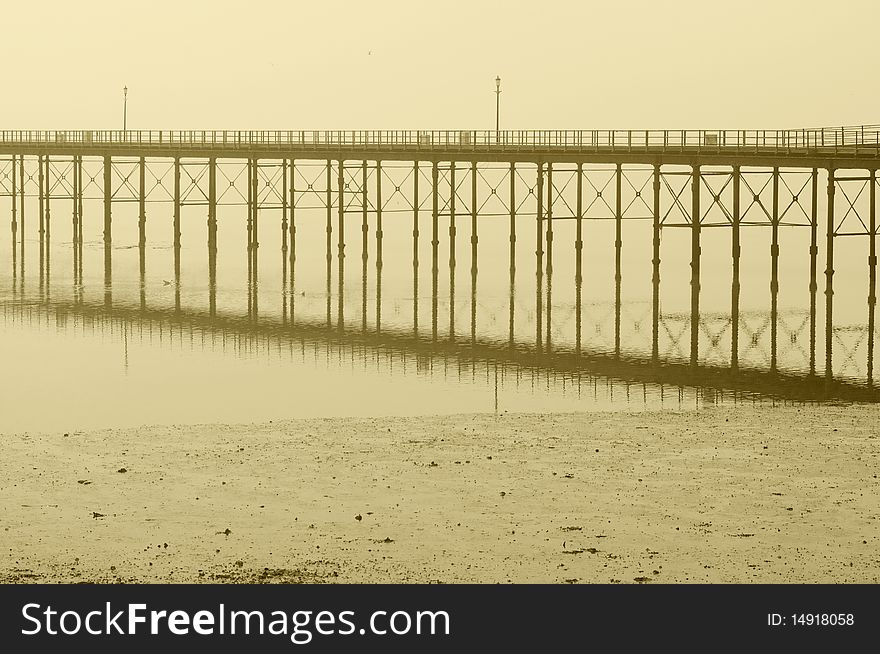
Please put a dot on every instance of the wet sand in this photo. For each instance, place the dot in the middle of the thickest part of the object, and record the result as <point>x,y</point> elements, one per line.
<point>724,494</point>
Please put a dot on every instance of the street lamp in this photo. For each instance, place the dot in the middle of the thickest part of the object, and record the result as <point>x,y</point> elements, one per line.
<point>497,108</point>
<point>125,109</point>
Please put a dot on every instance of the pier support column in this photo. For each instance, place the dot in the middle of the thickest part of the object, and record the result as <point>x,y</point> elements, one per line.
<point>142,230</point>
<point>329,230</point>
<point>829,283</point>
<point>452,250</point>
<point>735,259</point>
<point>415,235</point>
<point>79,231</point>
<point>21,161</point>
<point>695,264</point>
<point>42,217</point>
<point>255,240</point>
<point>340,248</point>
<point>79,216</point>
<point>14,225</point>
<point>512,236</point>
<point>578,259</point>
<point>435,241</point>
<point>284,207</point>
<point>284,248</point>
<point>814,250</point>
<point>774,271</point>
<point>618,246</point>
<point>539,261</point>
<point>292,240</point>
<point>474,240</point>
<point>212,236</point>
<point>250,227</point>
<point>365,237</point>
<point>48,222</point>
<point>872,273</point>
<point>177,234</point>
<point>549,264</point>
<point>379,236</point>
<point>655,277</point>
<point>108,236</point>
<point>74,223</point>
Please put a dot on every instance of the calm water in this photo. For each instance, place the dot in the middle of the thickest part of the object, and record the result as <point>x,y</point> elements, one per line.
<point>73,361</point>
<point>98,371</point>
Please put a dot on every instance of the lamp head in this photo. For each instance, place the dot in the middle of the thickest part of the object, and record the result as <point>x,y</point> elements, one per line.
<point>498,83</point>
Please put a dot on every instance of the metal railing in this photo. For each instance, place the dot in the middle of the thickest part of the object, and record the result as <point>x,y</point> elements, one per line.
<point>862,139</point>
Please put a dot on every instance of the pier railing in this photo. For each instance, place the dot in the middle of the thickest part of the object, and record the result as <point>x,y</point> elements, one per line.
<point>861,139</point>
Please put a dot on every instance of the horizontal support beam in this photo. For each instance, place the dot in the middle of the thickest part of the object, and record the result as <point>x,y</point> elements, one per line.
<point>648,157</point>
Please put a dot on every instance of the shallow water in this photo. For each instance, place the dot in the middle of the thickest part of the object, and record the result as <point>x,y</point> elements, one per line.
<point>68,372</point>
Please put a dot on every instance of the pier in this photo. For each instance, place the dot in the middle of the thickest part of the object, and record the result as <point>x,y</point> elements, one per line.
<point>821,180</point>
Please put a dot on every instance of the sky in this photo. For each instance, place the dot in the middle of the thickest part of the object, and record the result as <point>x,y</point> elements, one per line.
<point>416,64</point>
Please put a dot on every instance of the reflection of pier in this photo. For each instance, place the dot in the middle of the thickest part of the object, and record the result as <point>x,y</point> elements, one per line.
<point>486,357</point>
<point>672,179</point>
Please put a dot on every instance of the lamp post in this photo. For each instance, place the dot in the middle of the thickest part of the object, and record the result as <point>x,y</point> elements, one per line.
<point>497,109</point>
<point>125,108</point>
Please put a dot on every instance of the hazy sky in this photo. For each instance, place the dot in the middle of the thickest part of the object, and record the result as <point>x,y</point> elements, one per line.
<point>396,64</point>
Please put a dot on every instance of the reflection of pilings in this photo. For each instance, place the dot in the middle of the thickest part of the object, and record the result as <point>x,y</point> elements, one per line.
<point>379,236</point>
<point>365,228</point>
<point>415,235</point>
<point>510,319</point>
<point>539,260</point>
<point>177,233</point>
<point>252,337</point>
<point>872,272</point>
<point>473,252</point>
<point>549,238</point>
<point>496,388</point>
<point>695,264</point>
<point>212,236</point>
<point>774,269</point>
<point>435,241</point>
<point>329,229</point>
<point>829,282</point>
<point>451,250</point>
<point>814,250</point>
<point>618,245</point>
<point>735,257</point>
<point>142,230</point>
<point>108,240</point>
<point>655,277</point>
<point>340,247</point>
<point>292,240</point>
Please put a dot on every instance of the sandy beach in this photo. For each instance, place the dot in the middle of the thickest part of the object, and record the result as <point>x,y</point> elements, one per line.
<point>725,494</point>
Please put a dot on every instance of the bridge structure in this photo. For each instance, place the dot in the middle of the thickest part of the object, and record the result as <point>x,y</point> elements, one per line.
<point>690,179</point>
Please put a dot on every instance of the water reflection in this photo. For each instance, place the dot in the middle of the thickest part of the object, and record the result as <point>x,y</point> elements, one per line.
<point>123,365</point>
